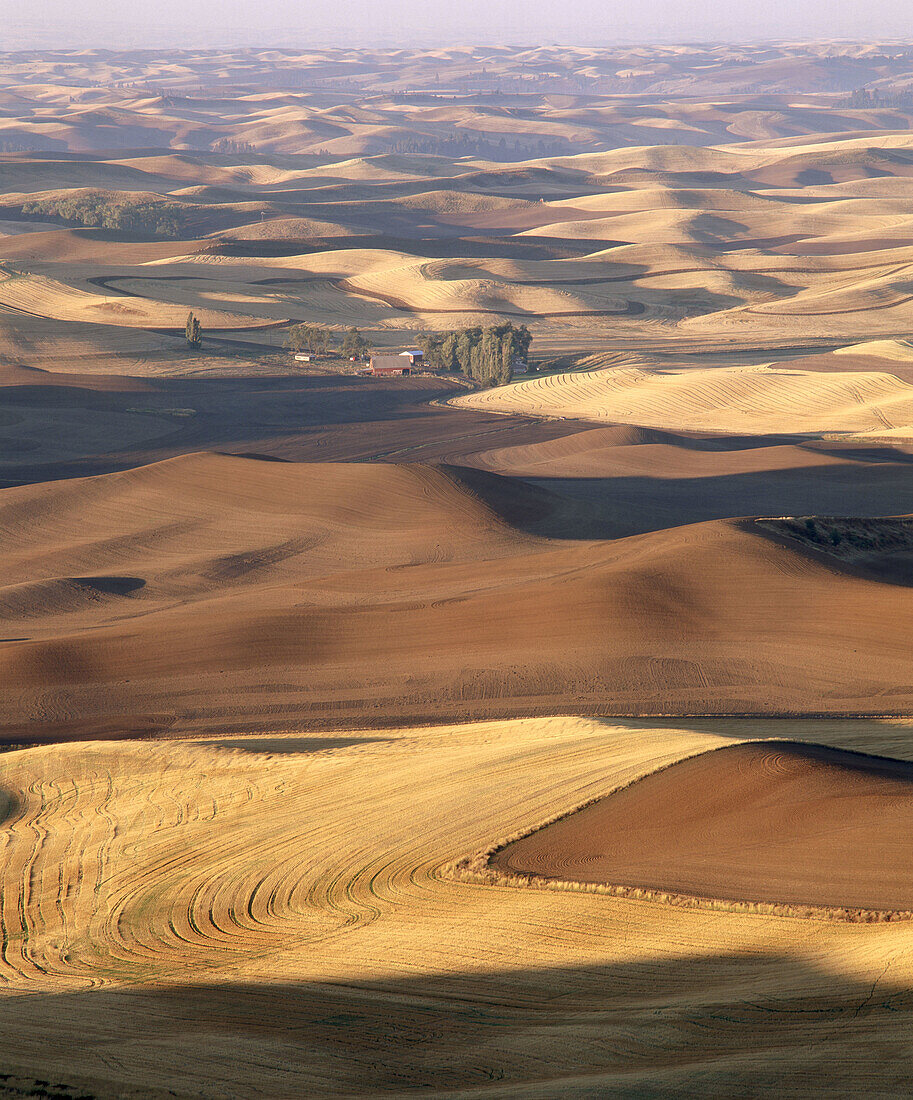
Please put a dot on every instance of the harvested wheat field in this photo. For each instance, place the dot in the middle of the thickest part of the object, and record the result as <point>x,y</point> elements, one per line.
<point>216,912</point>
<point>759,400</point>
<point>759,221</point>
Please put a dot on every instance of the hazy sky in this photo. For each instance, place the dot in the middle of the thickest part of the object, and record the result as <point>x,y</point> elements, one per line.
<point>77,23</point>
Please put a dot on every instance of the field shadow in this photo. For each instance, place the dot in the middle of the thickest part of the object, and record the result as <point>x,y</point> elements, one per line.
<point>850,734</point>
<point>9,806</point>
<point>282,746</point>
<point>344,418</point>
<point>111,586</point>
<point>637,504</point>
<point>334,417</point>
<point>724,1024</point>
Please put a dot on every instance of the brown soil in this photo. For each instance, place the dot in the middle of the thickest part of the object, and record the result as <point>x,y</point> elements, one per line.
<point>296,417</point>
<point>240,913</point>
<point>319,591</point>
<point>776,822</point>
<point>276,594</point>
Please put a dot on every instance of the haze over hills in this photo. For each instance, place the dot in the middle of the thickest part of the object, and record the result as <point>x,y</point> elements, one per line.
<point>680,69</point>
<point>491,101</point>
<point>368,735</point>
<point>629,249</point>
<point>606,222</point>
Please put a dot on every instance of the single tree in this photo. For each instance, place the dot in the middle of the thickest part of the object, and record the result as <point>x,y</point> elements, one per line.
<point>193,331</point>
<point>466,340</point>
<point>324,339</point>
<point>354,344</point>
<point>449,360</point>
<point>297,337</point>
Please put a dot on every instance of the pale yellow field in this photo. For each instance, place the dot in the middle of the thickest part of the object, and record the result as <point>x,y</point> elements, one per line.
<point>745,400</point>
<point>288,896</point>
<point>42,297</point>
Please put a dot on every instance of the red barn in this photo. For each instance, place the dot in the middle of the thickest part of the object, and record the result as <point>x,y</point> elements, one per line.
<point>389,365</point>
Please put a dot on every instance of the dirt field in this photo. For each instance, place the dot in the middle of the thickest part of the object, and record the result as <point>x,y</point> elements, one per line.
<point>775,822</point>
<point>549,566</point>
<point>215,592</point>
<point>235,406</point>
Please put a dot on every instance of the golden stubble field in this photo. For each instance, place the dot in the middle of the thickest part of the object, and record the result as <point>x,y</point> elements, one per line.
<point>751,400</point>
<point>274,916</point>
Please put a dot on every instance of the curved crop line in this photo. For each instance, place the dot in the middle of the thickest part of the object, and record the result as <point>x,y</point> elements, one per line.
<point>478,869</point>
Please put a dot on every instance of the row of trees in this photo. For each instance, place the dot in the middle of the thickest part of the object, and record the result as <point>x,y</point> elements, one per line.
<point>92,208</point>
<point>486,355</point>
<point>319,340</point>
<point>498,149</point>
<point>862,98</point>
<point>229,145</point>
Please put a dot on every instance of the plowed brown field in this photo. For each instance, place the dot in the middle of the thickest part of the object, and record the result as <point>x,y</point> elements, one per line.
<point>777,822</point>
<point>211,591</point>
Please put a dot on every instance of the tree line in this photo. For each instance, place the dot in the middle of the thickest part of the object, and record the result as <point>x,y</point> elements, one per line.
<point>157,219</point>
<point>487,355</point>
<point>230,145</point>
<point>862,98</point>
<point>463,145</point>
<point>319,340</point>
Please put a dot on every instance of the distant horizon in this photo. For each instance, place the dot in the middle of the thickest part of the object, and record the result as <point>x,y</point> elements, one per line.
<point>420,24</point>
<point>519,45</point>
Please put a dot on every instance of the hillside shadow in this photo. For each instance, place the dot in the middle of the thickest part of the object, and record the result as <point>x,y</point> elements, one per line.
<point>851,734</point>
<point>344,418</point>
<point>302,418</point>
<point>287,746</point>
<point>283,416</point>
<point>111,586</point>
<point>616,507</point>
<point>724,1024</point>
<point>465,246</point>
